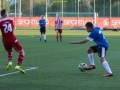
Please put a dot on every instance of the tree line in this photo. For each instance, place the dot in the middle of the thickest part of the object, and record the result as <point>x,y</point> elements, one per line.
<point>38,7</point>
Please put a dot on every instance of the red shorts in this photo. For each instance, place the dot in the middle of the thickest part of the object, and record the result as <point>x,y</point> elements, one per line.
<point>16,45</point>
<point>59,30</point>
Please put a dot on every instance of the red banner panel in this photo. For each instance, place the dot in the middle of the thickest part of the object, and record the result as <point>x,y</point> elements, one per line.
<point>67,22</point>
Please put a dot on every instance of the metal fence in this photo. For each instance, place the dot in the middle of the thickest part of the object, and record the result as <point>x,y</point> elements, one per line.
<point>75,13</point>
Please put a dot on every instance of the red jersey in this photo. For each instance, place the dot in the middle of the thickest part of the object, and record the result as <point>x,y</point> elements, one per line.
<point>7,28</point>
<point>58,23</point>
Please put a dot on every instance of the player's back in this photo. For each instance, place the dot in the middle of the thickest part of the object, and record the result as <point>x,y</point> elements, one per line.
<point>7,27</point>
<point>99,37</point>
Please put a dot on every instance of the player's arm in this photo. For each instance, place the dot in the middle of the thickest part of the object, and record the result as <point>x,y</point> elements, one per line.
<point>107,28</point>
<point>41,22</point>
<point>79,42</point>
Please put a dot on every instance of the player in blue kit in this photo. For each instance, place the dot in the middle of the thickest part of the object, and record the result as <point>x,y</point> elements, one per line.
<point>42,24</point>
<point>97,36</point>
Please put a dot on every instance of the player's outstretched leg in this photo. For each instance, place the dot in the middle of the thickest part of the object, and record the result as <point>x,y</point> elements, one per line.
<point>20,59</point>
<point>57,35</point>
<point>9,66</point>
<point>60,37</point>
<point>20,69</point>
<point>10,61</point>
<point>44,37</point>
<point>107,68</point>
<point>40,39</point>
<point>40,36</point>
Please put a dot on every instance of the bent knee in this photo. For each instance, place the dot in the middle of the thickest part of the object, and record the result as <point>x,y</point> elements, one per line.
<point>22,52</point>
<point>102,59</point>
<point>89,50</point>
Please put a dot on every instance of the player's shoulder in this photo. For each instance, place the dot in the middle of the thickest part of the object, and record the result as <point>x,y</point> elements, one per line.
<point>96,29</point>
<point>6,19</point>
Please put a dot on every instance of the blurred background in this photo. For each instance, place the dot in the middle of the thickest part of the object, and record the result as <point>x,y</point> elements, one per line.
<point>74,13</point>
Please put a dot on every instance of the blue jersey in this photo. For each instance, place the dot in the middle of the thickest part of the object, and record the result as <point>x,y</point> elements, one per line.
<point>97,36</point>
<point>42,23</point>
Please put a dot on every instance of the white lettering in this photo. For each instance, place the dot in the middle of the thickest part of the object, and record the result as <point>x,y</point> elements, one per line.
<point>74,22</point>
<point>19,21</point>
<point>115,22</point>
<point>26,21</point>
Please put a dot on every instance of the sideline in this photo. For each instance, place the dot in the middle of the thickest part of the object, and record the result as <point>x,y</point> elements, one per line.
<point>32,68</point>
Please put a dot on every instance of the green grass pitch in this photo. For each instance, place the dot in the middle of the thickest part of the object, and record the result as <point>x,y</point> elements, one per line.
<point>58,62</point>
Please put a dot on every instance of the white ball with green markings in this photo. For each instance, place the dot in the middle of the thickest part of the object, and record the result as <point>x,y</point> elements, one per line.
<point>82,67</point>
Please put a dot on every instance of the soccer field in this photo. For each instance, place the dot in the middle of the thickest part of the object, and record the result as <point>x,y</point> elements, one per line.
<point>53,65</point>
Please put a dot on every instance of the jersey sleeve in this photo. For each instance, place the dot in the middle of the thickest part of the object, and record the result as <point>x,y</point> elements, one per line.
<point>91,36</point>
<point>101,28</point>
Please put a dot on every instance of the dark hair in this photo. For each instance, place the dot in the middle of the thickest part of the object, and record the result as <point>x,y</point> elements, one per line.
<point>3,12</point>
<point>89,24</point>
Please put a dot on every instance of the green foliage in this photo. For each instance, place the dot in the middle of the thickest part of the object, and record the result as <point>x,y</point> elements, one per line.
<point>71,6</point>
<point>115,8</point>
<point>25,4</point>
<point>38,1</point>
<point>39,9</point>
<point>84,6</point>
<point>5,5</point>
<point>99,7</point>
<point>55,7</point>
<point>12,7</point>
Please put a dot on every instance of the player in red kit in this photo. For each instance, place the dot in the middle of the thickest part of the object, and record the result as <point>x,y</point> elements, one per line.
<point>10,41</point>
<point>58,27</point>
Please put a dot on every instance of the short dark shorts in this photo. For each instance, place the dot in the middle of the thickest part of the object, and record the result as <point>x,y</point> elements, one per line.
<point>43,29</point>
<point>101,51</point>
<point>59,30</point>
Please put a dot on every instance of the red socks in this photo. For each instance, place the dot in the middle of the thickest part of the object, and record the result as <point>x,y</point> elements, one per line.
<point>20,59</point>
<point>60,37</point>
<point>57,38</point>
<point>9,57</point>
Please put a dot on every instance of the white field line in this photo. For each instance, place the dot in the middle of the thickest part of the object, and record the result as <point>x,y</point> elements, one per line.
<point>25,36</point>
<point>32,68</point>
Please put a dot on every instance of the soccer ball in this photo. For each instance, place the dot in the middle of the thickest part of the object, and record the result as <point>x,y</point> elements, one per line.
<point>82,67</point>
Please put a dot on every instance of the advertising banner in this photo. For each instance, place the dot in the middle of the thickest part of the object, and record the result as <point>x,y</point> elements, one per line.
<point>68,22</point>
